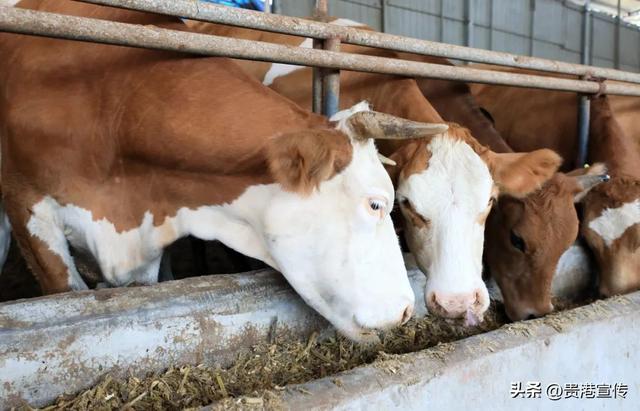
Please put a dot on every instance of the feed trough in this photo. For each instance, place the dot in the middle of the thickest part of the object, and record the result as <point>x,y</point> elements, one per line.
<point>52,346</point>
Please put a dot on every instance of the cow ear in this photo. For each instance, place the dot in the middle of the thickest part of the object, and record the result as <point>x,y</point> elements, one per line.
<point>518,174</point>
<point>587,178</point>
<point>301,160</point>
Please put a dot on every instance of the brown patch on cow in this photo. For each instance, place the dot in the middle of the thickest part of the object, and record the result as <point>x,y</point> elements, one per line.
<point>300,161</point>
<point>415,218</point>
<point>411,157</point>
<point>458,132</point>
<point>482,218</point>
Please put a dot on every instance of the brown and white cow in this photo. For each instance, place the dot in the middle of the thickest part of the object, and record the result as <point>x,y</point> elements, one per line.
<point>611,211</point>
<point>118,152</point>
<point>525,237</point>
<point>611,216</point>
<point>445,185</point>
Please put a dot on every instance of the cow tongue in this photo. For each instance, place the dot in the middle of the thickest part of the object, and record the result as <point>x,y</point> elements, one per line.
<point>472,319</point>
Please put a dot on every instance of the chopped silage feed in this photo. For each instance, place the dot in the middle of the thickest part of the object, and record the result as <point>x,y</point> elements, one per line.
<point>258,375</point>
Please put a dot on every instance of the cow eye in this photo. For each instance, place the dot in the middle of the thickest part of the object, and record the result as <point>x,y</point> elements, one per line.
<point>517,241</point>
<point>376,206</point>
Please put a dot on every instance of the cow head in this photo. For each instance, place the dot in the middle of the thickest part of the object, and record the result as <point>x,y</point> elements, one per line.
<point>611,215</point>
<point>611,227</point>
<point>446,187</point>
<point>327,228</point>
<point>525,238</point>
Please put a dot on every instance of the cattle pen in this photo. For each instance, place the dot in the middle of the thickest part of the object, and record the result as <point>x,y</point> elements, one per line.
<point>63,344</point>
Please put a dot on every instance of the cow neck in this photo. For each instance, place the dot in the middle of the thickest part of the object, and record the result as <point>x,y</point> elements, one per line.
<point>146,155</point>
<point>454,101</point>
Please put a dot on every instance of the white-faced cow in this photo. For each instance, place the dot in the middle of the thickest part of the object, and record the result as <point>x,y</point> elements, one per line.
<point>118,152</point>
<point>611,211</point>
<point>445,185</point>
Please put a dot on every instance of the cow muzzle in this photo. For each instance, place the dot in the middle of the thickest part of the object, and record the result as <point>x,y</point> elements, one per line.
<point>468,306</point>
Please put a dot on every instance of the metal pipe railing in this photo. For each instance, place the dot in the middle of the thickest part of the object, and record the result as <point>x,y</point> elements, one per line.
<point>40,23</point>
<point>326,82</point>
<point>307,28</point>
<point>584,104</point>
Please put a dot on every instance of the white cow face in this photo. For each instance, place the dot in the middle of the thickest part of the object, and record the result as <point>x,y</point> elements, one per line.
<point>445,192</point>
<point>336,245</point>
<point>338,249</point>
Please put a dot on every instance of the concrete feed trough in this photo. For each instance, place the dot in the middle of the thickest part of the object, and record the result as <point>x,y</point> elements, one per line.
<point>62,344</point>
<point>595,344</point>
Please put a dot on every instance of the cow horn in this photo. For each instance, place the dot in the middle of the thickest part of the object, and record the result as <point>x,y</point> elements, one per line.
<point>587,182</point>
<point>386,160</point>
<point>373,124</point>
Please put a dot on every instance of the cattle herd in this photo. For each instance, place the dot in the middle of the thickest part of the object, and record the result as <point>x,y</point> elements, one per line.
<point>113,153</point>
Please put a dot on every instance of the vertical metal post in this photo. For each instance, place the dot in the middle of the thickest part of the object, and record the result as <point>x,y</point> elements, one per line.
<point>583,100</point>
<point>491,25</point>
<point>617,61</point>
<point>331,83</point>
<point>470,13</point>
<point>316,85</point>
<point>326,82</point>
<point>532,24</point>
<point>442,21</point>
<point>319,13</point>
<point>383,16</point>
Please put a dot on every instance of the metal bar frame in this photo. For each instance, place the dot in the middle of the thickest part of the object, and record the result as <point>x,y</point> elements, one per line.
<point>124,34</point>
<point>327,64</point>
<point>315,29</point>
<point>326,81</point>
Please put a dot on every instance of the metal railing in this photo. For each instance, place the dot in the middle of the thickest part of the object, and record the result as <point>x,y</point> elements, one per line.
<point>327,62</point>
<point>352,35</point>
<point>101,31</point>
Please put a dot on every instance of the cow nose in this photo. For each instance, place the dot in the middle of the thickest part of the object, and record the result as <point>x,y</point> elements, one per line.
<point>455,305</point>
<point>386,316</point>
<point>533,313</point>
<point>406,314</point>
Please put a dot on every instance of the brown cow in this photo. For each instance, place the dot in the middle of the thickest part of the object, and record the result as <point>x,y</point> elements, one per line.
<point>445,185</point>
<point>611,211</point>
<point>118,152</point>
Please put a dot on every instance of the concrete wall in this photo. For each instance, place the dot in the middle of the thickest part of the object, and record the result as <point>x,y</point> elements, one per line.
<point>542,28</point>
